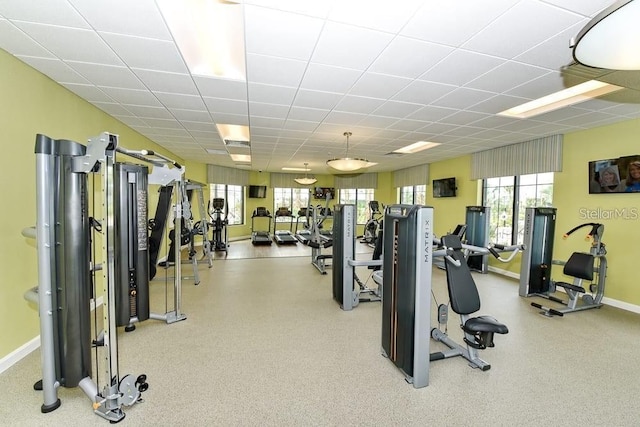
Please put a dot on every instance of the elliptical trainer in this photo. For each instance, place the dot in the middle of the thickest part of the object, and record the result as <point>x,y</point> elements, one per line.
<point>218,224</point>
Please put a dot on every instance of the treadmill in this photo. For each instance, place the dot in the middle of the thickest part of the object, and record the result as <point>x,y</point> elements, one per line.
<point>261,237</point>
<point>284,237</point>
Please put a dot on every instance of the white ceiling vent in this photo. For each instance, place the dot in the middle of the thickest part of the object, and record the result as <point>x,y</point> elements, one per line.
<point>237,143</point>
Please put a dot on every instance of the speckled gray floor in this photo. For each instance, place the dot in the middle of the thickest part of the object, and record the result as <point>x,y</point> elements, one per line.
<point>265,344</point>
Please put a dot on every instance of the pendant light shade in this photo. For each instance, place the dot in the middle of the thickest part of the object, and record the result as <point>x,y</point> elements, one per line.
<point>306,180</point>
<point>346,163</point>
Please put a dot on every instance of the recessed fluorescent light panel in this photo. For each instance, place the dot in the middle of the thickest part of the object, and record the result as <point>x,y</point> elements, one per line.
<point>573,95</point>
<point>234,135</point>
<point>209,34</point>
<point>241,158</point>
<point>216,152</point>
<point>295,169</point>
<point>415,147</point>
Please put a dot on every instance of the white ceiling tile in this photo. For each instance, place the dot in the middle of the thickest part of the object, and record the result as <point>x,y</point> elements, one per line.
<point>315,99</point>
<point>266,122</point>
<point>207,127</point>
<point>431,113</point>
<point>54,12</point>
<point>275,71</point>
<point>379,15</point>
<point>358,104</point>
<point>407,125</point>
<point>88,92</point>
<point>107,75</point>
<point>343,118</point>
<point>460,67</point>
<point>300,125</point>
<point>183,102</point>
<point>112,108</point>
<point>464,118</point>
<point>510,26</point>
<point>191,115</point>
<point>18,43</point>
<point>149,112</point>
<point>71,44</point>
<point>396,109</point>
<point>553,53</point>
<point>329,79</point>
<point>274,111</point>
<point>541,86</point>
<point>304,7</point>
<point>230,119</point>
<point>407,57</point>
<point>159,81</point>
<point>308,114</point>
<point>348,46</point>
<point>377,122</point>
<point>221,88</point>
<point>162,123</point>
<point>506,76</point>
<point>132,96</point>
<point>123,17</point>
<point>381,86</point>
<point>453,23</point>
<point>130,120</point>
<point>278,33</point>
<point>584,7</point>
<point>497,103</point>
<point>149,54</point>
<point>423,92</point>
<point>229,106</point>
<point>55,69</point>
<point>269,94</point>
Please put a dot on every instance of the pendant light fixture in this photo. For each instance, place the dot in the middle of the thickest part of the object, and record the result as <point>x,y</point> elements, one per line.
<point>346,163</point>
<point>306,180</point>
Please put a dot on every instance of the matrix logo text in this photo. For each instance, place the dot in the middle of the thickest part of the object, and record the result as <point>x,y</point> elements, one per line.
<point>599,213</point>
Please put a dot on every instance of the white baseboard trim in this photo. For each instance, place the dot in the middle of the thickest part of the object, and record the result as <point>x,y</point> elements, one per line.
<point>606,301</point>
<point>24,350</point>
<point>504,272</point>
<point>15,356</point>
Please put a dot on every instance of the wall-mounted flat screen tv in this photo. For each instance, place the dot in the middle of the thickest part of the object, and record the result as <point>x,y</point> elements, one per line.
<point>617,175</point>
<point>257,191</point>
<point>445,187</point>
<point>322,192</point>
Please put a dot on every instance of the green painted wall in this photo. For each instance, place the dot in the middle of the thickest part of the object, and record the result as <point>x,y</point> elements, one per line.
<point>616,211</point>
<point>32,103</point>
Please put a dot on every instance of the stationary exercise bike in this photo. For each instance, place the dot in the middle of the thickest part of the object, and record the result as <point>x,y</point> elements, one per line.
<point>372,225</point>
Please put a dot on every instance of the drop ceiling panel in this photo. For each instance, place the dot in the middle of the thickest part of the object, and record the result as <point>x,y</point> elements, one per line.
<point>453,23</point>
<point>183,102</point>
<point>275,71</point>
<point>221,88</point>
<point>310,8</point>
<point>431,113</point>
<point>349,46</point>
<point>167,82</point>
<point>421,92</point>
<point>268,110</point>
<point>124,17</point>
<point>89,92</point>
<point>149,112</point>
<point>309,114</point>
<point>270,94</point>
<point>55,69</point>
<point>132,96</point>
<point>358,104</point>
<point>53,12</point>
<point>150,54</point>
<point>230,119</point>
<point>405,57</point>
<point>112,108</point>
<point>18,43</point>
<point>512,24</point>
<point>506,76</point>
<point>190,115</point>
<point>329,79</point>
<point>107,75</point>
<point>383,16</point>
<point>315,99</point>
<point>381,86</point>
<point>71,44</point>
<point>455,69</point>
<point>282,34</point>
<point>396,109</point>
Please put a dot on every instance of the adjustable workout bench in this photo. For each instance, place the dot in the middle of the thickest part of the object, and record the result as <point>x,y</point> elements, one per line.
<point>465,300</point>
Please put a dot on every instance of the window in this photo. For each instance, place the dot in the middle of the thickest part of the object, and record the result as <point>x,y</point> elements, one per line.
<point>234,201</point>
<point>292,198</point>
<point>359,197</point>
<point>413,194</point>
<point>508,197</point>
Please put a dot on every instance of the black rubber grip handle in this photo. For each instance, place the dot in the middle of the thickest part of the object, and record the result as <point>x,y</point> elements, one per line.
<point>501,247</point>
<point>494,253</point>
